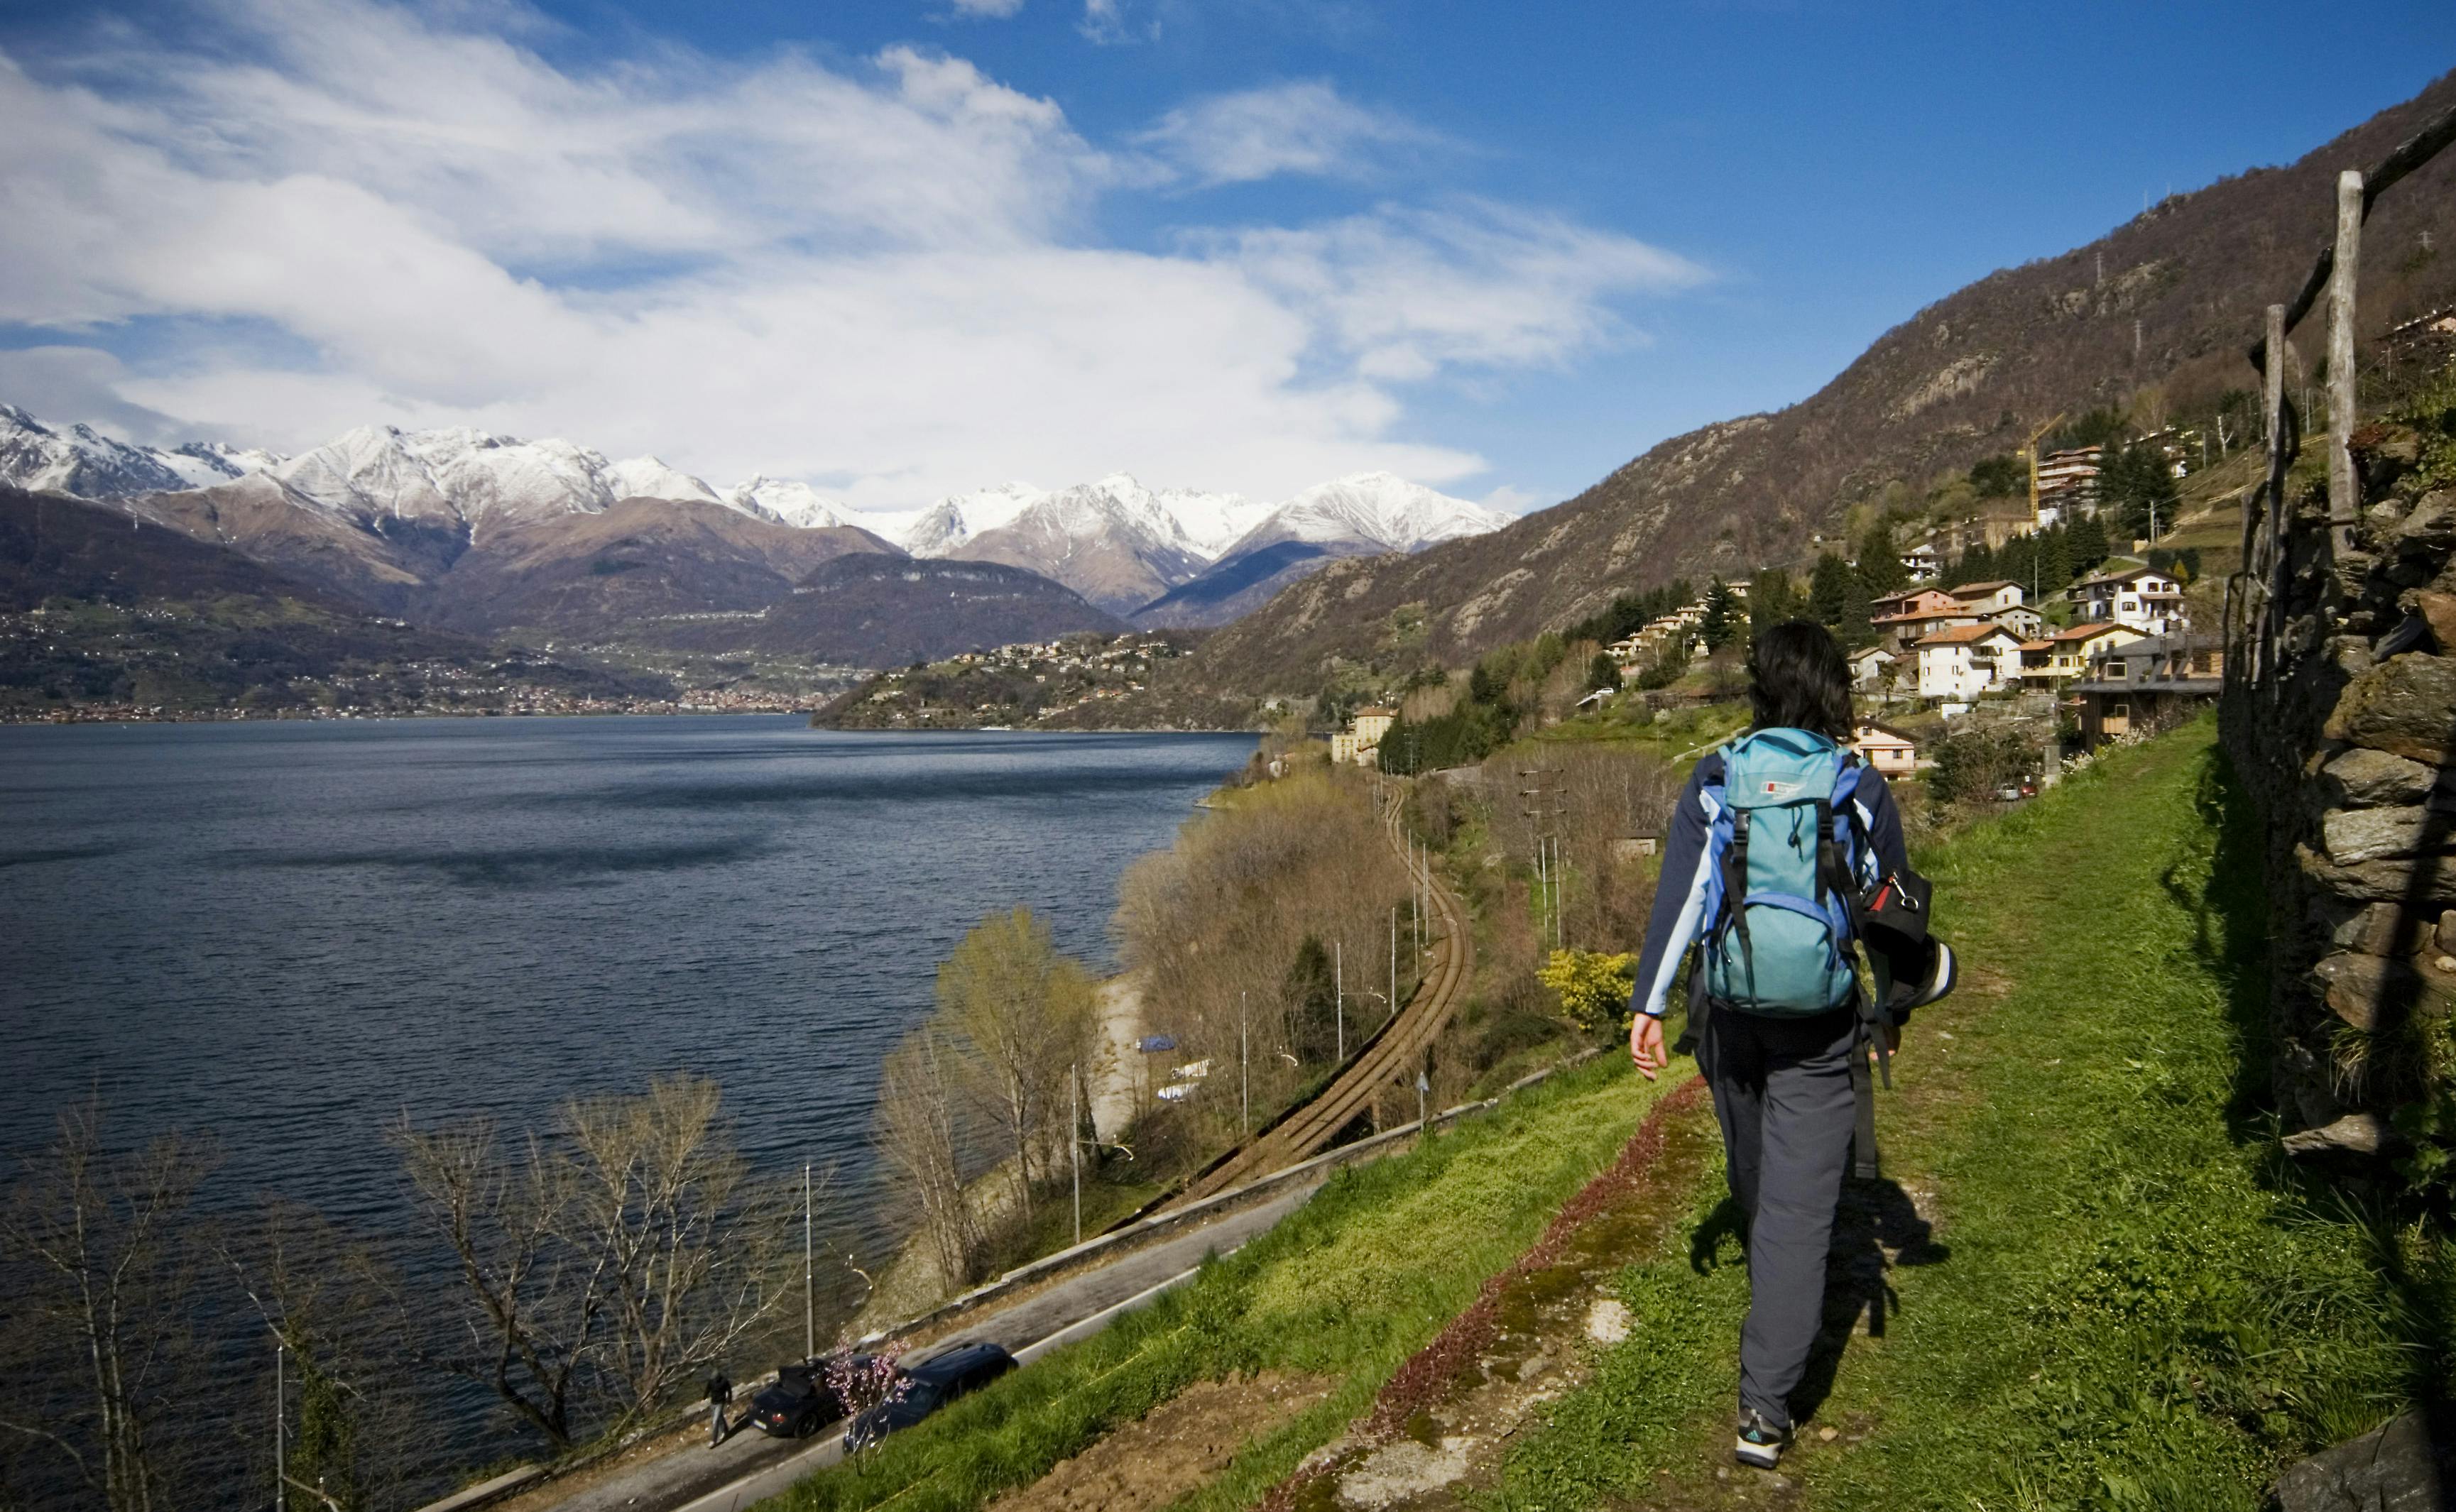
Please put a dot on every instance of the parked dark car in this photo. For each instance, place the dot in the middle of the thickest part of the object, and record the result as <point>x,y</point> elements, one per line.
<point>927,1386</point>
<point>801,1401</point>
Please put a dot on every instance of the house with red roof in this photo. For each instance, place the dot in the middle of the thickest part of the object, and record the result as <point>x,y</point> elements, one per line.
<point>1967,660</point>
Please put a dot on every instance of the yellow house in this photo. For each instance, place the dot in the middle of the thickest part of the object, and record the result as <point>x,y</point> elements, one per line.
<point>1360,742</point>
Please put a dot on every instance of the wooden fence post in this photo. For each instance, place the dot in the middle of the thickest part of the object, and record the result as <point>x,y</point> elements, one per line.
<point>2343,503</point>
<point>2272,535</point>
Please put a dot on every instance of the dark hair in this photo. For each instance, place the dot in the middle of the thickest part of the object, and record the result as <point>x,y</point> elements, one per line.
<point>1797,680</point>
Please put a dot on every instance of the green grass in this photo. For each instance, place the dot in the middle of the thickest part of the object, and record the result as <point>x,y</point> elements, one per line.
<point>2134,1303</point>
<point>1346,1288</point>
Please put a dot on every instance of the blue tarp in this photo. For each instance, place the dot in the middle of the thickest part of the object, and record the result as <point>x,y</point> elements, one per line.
<point>1154,1044</point>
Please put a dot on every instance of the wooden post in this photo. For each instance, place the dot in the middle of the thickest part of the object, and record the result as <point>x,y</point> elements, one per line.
<point>2344,504</point>
<point>2271,531</point>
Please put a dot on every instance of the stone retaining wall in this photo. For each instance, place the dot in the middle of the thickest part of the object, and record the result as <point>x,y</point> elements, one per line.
<point>2348,747</point>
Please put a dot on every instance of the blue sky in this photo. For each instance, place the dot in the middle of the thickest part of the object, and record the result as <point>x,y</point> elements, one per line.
<point>902,249</point>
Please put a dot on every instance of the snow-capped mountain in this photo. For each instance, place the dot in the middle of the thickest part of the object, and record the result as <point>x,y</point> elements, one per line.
<point>945,526</point>
<point>1115,542</point>
<point>790,503</point>
<point>650,477</point>
<point>85,462</point>
<point>1375,509</point>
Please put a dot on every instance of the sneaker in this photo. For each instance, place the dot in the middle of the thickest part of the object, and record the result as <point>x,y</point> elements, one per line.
<point>1760,1443</point>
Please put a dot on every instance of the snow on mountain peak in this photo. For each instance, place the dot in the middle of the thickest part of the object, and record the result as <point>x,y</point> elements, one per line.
<point>1375,508</point>
<point>651,478</point>
<point>956,519</point>
<point>786,502</point>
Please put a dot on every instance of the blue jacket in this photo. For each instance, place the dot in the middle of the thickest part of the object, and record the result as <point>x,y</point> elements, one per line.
<point>1680,893</point>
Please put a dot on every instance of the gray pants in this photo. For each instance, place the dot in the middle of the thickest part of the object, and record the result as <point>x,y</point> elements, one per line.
<point>1782,1093</point>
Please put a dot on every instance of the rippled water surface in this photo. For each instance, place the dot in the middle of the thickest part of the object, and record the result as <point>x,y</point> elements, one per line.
<point>289,934</point>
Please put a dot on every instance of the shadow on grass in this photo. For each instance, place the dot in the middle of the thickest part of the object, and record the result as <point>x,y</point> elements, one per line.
<point>2232,921</point>
<point>2235,921</point>
<point>1876,1226</point>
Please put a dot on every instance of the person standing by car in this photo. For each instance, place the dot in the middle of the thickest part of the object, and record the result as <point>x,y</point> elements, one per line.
<point>1777,838</point>
<point>719,1394</point>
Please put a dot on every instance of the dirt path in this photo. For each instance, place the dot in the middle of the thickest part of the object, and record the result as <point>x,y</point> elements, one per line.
<point>1180,1446</point>
<point>1436,1431</point>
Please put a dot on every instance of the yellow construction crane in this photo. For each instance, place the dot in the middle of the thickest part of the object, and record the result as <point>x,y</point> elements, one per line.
<point>2030,450</point>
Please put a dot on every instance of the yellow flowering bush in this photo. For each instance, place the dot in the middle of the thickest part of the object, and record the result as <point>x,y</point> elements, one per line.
<point>1593,987</point>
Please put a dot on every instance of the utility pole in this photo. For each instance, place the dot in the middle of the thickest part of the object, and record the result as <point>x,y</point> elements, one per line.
<point>1074,1140</point>
<point>280,1429</point>
<point>1390,1010</point>
<point>1244,1080</point>
<point>1338,995</point>
<point>1416,902</point>
<point>1541,816</point>
<point>809,1292</point>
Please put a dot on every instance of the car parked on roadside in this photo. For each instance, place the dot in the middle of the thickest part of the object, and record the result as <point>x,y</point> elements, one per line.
<point>798,1402</point>
<point>925,1386</point>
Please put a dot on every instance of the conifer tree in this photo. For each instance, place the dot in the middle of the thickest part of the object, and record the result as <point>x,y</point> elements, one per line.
<point>1855,629</point>
<point>2086,541</point>
<point>1977,564</point>
<point>1772,600</point>
<point>2054,568</point>
<point>1829,589</point>
<point>1721,620</point>
<point>1880,560</point>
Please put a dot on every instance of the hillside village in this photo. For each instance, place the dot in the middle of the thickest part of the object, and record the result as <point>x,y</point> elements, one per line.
<point>2087,656</point>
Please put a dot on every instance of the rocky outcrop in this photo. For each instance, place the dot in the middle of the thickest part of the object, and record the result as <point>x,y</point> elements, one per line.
<point>2348,744</point>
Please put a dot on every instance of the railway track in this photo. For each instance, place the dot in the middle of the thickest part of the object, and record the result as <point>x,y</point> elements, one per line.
<point>1394,1053</point>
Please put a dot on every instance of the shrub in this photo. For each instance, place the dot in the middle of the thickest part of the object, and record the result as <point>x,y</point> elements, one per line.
<point>1593,987</point>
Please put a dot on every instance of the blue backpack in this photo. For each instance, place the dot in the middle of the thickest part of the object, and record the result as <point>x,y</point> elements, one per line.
<point>1785,858</point>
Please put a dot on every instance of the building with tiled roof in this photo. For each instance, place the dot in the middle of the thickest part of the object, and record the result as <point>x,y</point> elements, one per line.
<point>1967,660</point>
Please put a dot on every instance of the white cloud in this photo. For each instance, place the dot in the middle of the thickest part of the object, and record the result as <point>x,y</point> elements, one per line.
<point>1510,499</point>
<point>1298,128</point>
<point>1106,22</point>
<point>1403,294</point>
<point>876,275</point>
<point>988,10</point>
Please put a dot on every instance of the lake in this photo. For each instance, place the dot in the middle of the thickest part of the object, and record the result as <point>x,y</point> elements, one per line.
<point>290,933</point>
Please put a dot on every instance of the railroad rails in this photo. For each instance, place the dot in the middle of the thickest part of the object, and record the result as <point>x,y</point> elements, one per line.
<point>1394,1053</point>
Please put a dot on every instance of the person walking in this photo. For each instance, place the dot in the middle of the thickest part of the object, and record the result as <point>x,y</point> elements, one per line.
<point>1776,839</point>
<point>719,1394</point>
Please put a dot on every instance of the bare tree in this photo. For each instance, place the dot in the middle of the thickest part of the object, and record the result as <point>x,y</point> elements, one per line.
<point>98,1265</point>
<point>323,1299</point>
<point>918,1135</point>
<point>530,1307</point>
<point>1024,1014</point>
<point>604,1265</point>
<point>689,1242</point>
<point>1213,927</point>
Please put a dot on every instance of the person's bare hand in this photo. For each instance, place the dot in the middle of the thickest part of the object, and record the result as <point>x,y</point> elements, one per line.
<point>1646,1045</point>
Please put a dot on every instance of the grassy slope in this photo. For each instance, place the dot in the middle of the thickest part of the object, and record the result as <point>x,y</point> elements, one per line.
<point>1347,1288</point>
<point>2122,1305</point>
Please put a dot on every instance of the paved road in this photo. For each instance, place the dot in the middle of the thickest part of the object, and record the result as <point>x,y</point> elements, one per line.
<point>751,1466</point>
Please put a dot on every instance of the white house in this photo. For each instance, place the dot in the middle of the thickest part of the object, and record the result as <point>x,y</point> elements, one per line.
<point>1867,666</point>
<point>1967,660</point>
<point>2151,603</point>
<point>1983,599</point>
<point>1887,750</point>
<point>2019,619</point>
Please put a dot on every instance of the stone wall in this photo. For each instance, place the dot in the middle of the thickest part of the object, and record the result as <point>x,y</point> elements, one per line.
<point>2347,744</point>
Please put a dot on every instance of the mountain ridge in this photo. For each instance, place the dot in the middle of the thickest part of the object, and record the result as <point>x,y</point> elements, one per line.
<point>2156,314</point>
